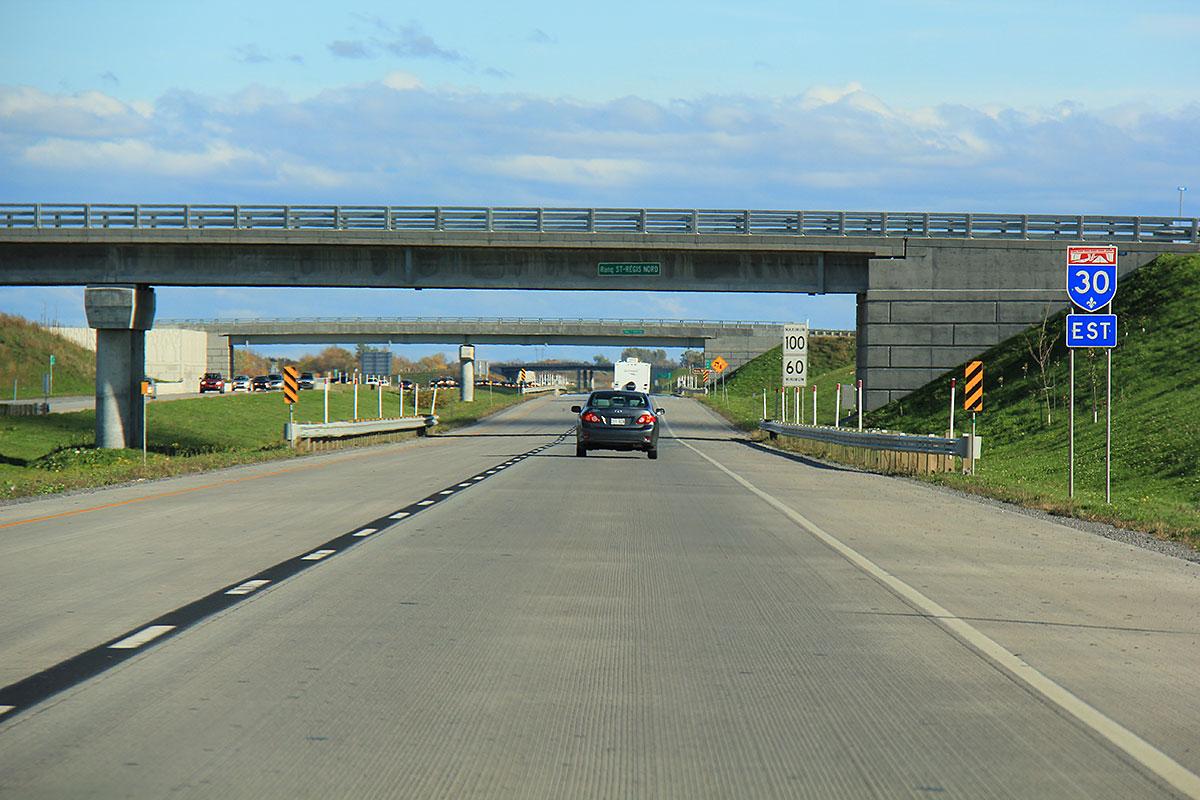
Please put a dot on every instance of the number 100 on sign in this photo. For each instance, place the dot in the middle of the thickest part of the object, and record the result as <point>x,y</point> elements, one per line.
<point>795,355</point>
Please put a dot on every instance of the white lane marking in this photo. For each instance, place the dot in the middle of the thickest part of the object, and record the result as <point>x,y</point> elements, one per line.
<point>426,502</point>
<point>141,637</point>
<point>463,484</point>
<point>248,587</point>
<point>317,555</point>
<point>491,472</point>
<point>6,709</point>
<point>478,477</point>
<point>502,466</point>
<point>366,532</point>
<point>400,515</point>
<point>1138,748</point>
<point>446,491</point>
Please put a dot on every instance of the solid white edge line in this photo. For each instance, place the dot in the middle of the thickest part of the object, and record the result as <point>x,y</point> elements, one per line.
<point>248,587</point>
<point>1149,756</point>
<point>400,515</point>
<point>317,555</point>
<point>366,531</point>
<point>141,637</point>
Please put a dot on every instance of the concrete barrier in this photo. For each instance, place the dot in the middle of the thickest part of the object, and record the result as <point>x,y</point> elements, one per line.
<point>17,409</point>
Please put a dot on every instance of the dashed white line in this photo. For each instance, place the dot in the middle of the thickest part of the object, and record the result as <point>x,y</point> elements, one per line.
<point>464,484</point>
<point>248,587</point>
<point>6,709</point>
<point>426,502</point>
<point>317,555</point>
<point>491,472</point>
<point>366,532</point>
<point>400,515</point>
<point>141,637</point>
<point>446,491</point>
<point>479,477</point>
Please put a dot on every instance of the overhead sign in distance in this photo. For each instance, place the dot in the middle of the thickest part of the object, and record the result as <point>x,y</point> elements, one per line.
<point>719,364</point>
<point>629,268</point>
<point>795,355</point>
<point>633,331</point>
<point>973,386</point>
<point>1091,275</point>
<point>1091,330</point>
<point>291,384</point>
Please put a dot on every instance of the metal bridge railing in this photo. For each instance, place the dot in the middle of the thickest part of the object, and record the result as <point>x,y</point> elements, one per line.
<point>602,220</point>
<point>631,324</point>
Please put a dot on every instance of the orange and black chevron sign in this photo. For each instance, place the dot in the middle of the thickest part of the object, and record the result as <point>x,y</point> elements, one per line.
<point>291,384</point>
<point>973,387</point>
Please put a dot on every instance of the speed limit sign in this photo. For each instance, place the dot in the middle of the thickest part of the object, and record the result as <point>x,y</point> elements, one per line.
<point>795,355</point>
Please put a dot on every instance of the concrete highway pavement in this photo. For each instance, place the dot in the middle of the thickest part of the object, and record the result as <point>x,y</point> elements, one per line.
<point>722,622</point>
<point>65,404</point>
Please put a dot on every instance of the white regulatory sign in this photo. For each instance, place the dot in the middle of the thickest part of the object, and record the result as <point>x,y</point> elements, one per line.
<point>795,355</point>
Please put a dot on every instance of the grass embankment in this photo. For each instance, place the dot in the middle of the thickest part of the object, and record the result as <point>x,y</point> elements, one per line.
<point>830,361</point>
<point>25,350</point>
<point>42,455</point>
<point>1156,430</point>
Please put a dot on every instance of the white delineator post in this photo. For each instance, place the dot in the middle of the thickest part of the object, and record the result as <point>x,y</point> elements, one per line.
<point>764,403</point>
<point>401,396</point>
<point>837,407</point>
<point>814,393</point>
<point>379,392</point>
<point>433,404</point>
<point>355,397</point>
<point>952,385</point>
<point>859,387</point>
<point>326,399</point>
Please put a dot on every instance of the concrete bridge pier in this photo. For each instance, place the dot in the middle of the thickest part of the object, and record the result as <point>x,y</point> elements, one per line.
<point>121,316</point>
<point>466,373</point>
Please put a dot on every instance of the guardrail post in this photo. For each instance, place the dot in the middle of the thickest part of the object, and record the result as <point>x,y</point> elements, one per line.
<point>237,217</point>
<point>487,215</point>
<point>1024,226</point>
<point>1196,229</point>
<point>1079,223</point>
<point>695,220</point>
<point>925,225</point>
<point>591,220</point>
<point>746,222</point>
<point>541,219</point>
<point>841,223</point>
<point>87,215</point>
<point>642,221</point>
<point>799,223</point>
<point>437,218</point>
<point>883,223</point>
<point>970,223</point>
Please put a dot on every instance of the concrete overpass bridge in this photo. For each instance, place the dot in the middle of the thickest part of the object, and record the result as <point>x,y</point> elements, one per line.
<point>932,289</point>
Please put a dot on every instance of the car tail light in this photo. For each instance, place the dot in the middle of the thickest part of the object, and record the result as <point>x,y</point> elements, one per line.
<point>592,416</point>
<point>647,419</point>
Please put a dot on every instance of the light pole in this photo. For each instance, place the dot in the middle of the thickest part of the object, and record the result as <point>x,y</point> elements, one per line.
<point>1181,190</point>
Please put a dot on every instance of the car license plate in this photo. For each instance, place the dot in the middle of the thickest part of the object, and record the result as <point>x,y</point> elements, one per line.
<point>617,420</point>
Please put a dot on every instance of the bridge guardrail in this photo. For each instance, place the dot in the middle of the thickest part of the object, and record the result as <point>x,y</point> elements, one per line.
<point>934,453</point>
<point>904,224</point>
<point>541,389</point>
<point>704,323</point>
<point>299,431</point>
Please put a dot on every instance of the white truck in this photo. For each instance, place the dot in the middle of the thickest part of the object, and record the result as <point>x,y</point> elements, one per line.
<point>632,371</point>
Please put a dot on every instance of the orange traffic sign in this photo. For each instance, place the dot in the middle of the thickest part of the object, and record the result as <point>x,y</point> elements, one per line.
<point>719,364</point>
<point>291,384</point>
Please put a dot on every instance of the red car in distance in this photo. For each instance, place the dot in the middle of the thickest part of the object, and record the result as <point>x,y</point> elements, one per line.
<point>212,382</point>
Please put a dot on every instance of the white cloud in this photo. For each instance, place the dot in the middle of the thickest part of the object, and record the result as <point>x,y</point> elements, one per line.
<point>129,155</point>
<point>401,81</point>
<point>571,171</point>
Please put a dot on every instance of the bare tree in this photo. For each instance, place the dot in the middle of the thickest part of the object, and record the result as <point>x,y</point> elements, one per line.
<point>1041,346</point>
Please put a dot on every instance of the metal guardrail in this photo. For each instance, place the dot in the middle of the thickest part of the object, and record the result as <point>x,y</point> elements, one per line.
<point>294,432</point>
<point>907,224</point>
<point>960,446</point>
<point>630,323</point>
<point>541,389</point>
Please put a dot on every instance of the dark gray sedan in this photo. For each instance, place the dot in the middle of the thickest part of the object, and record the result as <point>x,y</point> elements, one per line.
<point>614,420</point>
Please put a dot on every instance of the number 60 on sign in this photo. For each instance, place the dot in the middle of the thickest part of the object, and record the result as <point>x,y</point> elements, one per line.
<point>795,355</point>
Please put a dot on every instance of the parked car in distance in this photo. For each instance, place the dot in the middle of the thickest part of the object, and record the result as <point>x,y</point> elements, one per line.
<point>407,385</point>
<point>261,383</point>
<point>307,381</point>
<point>617,420</point>
<point>212,382</point>
<point>240,383</point>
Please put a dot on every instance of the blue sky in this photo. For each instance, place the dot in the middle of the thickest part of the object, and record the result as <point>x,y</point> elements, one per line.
<point>1015,106</point>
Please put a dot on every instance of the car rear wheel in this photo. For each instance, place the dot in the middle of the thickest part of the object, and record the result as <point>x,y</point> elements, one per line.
<point>580,451</point>
<point>652,453</point>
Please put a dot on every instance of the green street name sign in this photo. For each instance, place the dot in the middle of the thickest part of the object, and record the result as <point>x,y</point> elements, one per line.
<point>627,268</point>
<point>634,331</point>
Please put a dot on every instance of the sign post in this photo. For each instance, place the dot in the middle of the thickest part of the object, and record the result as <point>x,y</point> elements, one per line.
<point>145,392</point>
<point>972,399</point>
<point>51,374</point>
<point>1091,286</point>
<point>719,364</point>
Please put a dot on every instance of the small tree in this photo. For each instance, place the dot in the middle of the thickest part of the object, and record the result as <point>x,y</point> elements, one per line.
<point>1040,344</point>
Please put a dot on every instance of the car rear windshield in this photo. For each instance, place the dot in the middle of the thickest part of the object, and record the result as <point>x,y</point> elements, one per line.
<point>617,400</point>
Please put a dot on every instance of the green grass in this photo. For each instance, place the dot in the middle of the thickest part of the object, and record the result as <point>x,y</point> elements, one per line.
<point>1156,435</point>
<point>831,361</point>
<point>1156,427</point>
<point>25,350</point>
<point>41,455</point>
